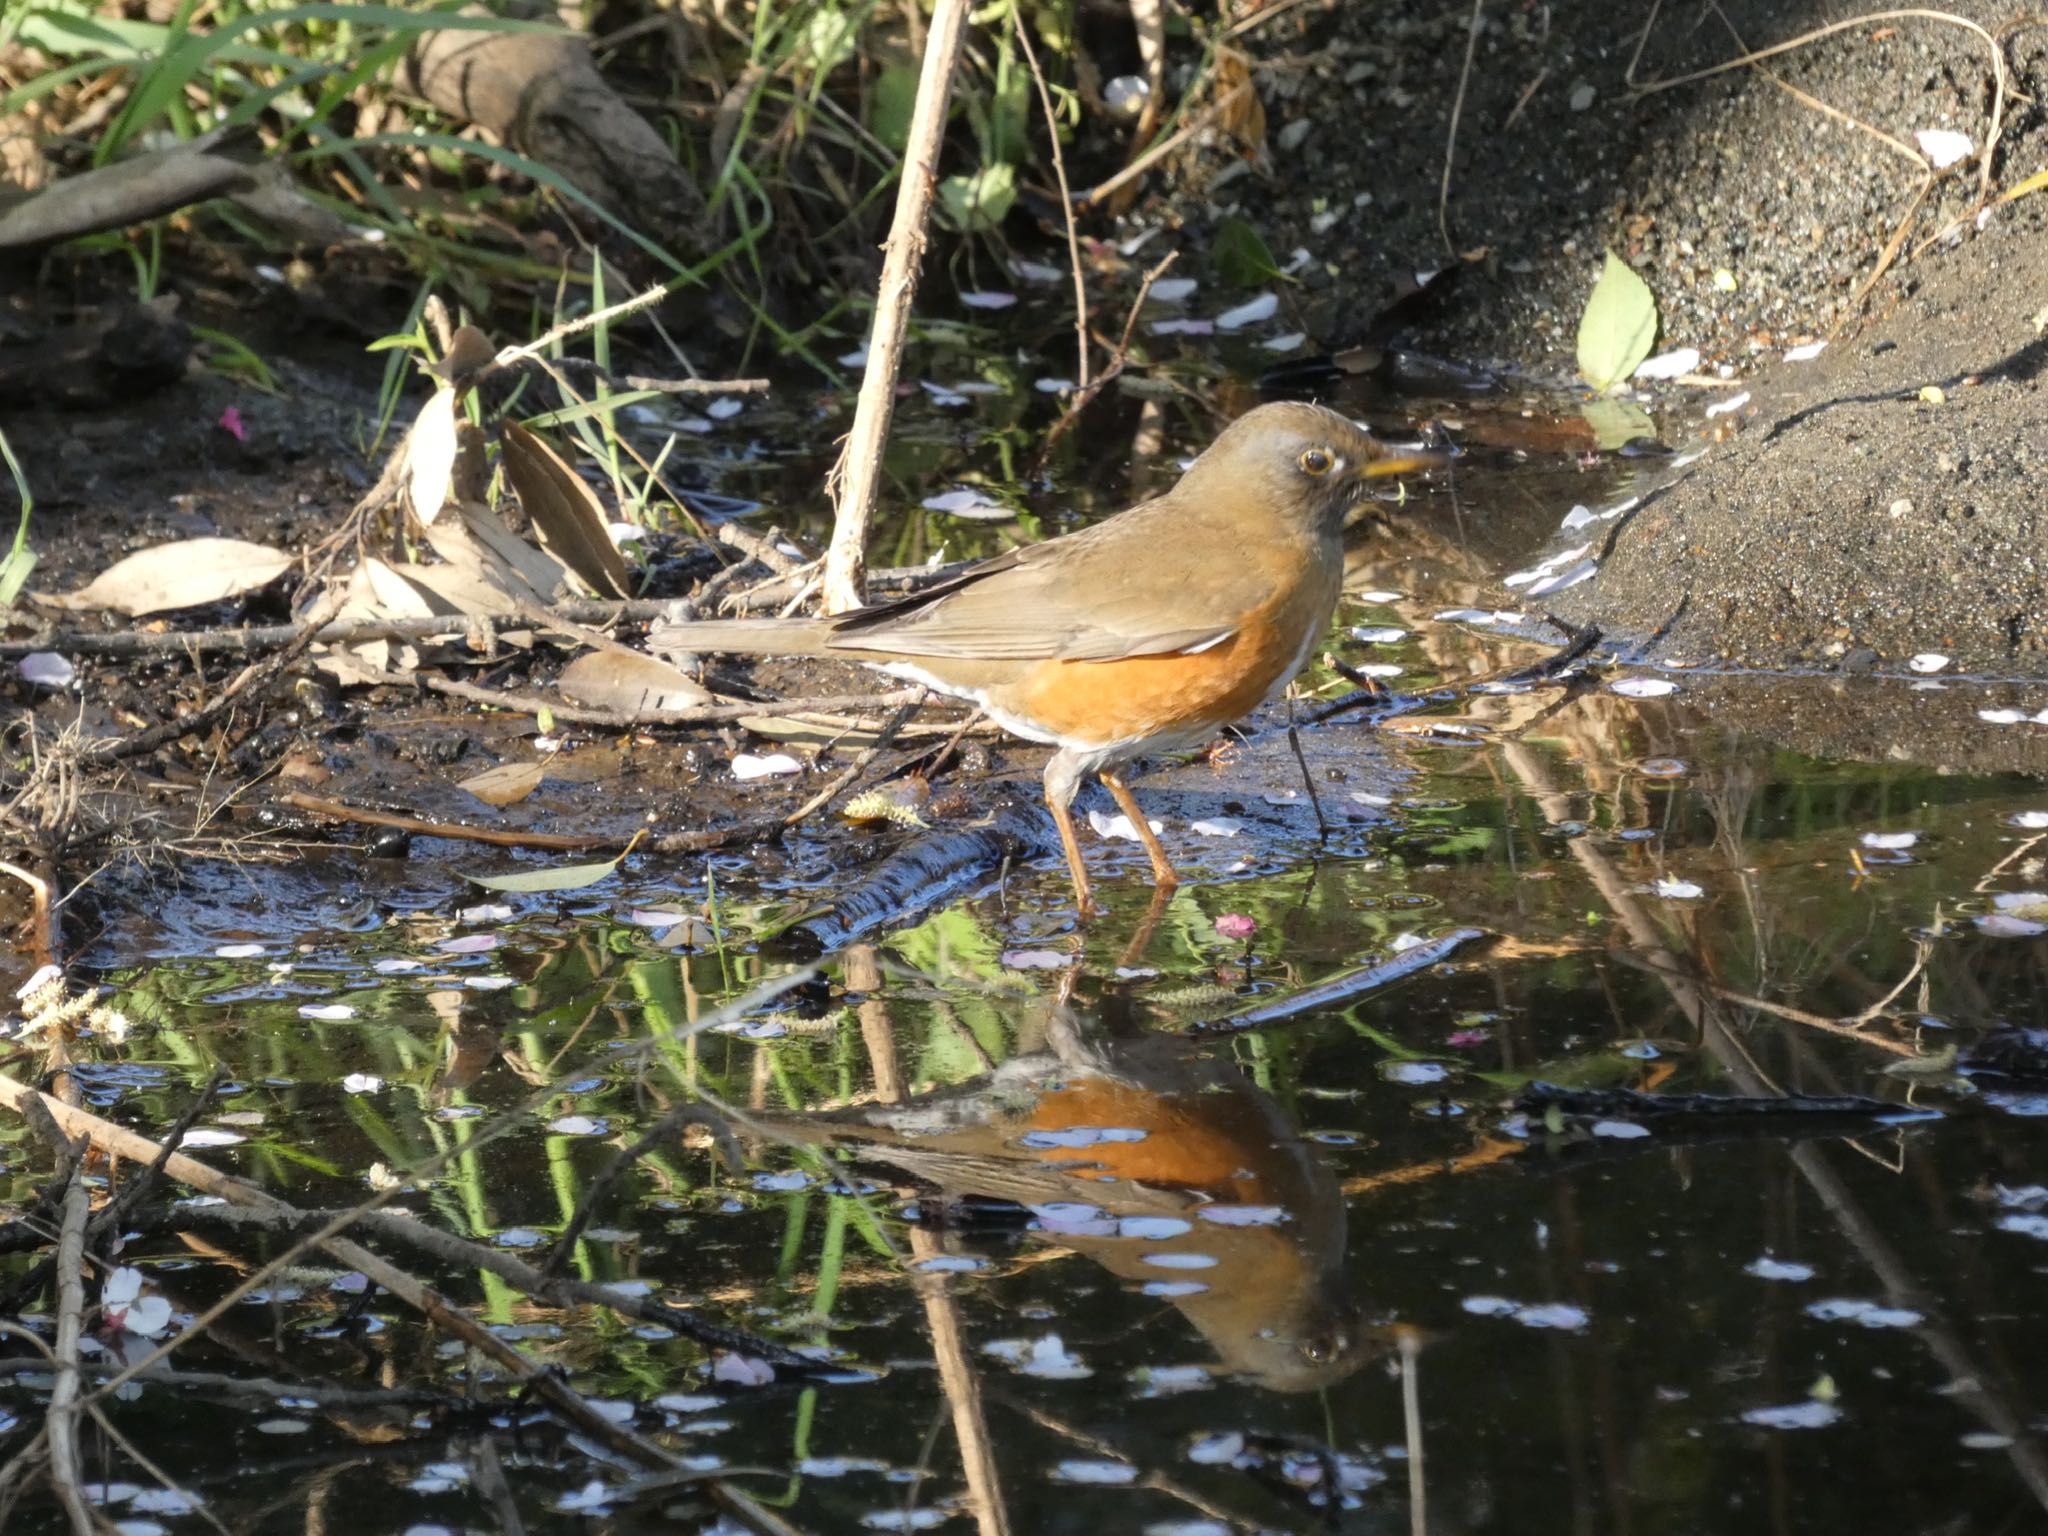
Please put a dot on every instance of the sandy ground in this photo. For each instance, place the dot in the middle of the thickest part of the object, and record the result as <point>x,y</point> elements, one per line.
<point>1849,522</point>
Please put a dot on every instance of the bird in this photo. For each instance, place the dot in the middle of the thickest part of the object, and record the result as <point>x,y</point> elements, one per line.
<point>1147,632</point>
<point>1117,1142</point>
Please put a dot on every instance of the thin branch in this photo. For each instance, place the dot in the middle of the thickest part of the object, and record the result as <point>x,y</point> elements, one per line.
<point>1443,192</point>
<point>858,475</point>
<point>1164,147</point>
<point>1059,171</point>
<point>61,1421</point>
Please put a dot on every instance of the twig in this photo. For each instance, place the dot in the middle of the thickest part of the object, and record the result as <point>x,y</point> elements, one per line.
<point>1410,1345</point>
<point>43,935</point>
<point>762,831</point>
<point>463,1254</point>
<point>658,1133</point>
<point>1443,193</point>
<point>1059,171</point>
<point>253,676</point>
<point>1308,782</point>
<point>763,547</point>
<point>1345,988</point>
<point>536,350</point>
<point>696,714</point>
<point>858,475</point>
<point>61,1421</point>
<point>217,1382</point>
<point>853,770</point>
<point>1163,148</point>
<point>1116,362</point>
<point>191,642</point>
<point>697,386</point>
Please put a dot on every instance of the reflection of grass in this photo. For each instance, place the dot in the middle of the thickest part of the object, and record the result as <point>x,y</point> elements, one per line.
<point>784,1262</point>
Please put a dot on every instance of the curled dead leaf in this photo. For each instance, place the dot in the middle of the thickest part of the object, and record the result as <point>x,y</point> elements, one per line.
<point>430,449</point>
<point>565,513</point>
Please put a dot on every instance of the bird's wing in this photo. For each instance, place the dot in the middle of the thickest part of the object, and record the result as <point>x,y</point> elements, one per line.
<point>1026,605</point>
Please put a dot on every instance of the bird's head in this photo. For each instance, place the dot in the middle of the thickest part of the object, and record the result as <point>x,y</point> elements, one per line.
<point>1304,465</point>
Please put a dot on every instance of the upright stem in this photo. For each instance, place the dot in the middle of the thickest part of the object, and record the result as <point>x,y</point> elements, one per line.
<point>858,476</point>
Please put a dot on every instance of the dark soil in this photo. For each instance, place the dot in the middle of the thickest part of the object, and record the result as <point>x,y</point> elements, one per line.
<point>1849,518</point>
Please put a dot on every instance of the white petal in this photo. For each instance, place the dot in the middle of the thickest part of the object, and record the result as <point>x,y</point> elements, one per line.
<point>1944,146</point>
<point>768,765</point>
<point>1251,312</point>
<point>47,669</point>
<point>1669,365</point>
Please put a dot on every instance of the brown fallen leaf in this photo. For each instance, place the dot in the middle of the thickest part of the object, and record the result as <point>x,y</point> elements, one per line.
<point>506,784</point>
<point>628,681</point>
<point>180,575</point>
<point>565,513</point>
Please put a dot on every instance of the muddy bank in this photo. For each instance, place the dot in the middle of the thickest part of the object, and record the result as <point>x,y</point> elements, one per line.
<point>1848,522</point>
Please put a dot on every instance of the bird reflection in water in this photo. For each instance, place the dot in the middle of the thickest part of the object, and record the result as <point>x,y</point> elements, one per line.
<point>1164,1164</point>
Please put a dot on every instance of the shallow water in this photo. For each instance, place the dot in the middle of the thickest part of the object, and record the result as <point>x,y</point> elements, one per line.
<point>1069,1262</point>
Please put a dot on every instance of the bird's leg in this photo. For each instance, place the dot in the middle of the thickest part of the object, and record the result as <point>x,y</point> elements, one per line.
<point>1163,874</point>
<point>1141,940</point>
<point>1062,779</point>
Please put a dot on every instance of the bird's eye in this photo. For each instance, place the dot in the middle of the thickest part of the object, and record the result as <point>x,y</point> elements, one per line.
<point>1317,461</point>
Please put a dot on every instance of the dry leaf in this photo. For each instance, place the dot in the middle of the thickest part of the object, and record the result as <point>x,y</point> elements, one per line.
<point>542,572</point>
<point>181,575</point>
<point>1243,115</point>
<point>628,682</point>
<point>392,595</point>
<point>486,570</point>
<point>506,784</point>
<point>430,458</point>
<point>565,513</point>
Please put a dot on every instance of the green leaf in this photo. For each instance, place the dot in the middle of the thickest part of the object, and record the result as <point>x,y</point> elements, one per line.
<point>831,35</point>
<point>1618,328</point>
<point>981,201</point>
<point>894,100</point>
<point>1242,256</point>
<point>1010,114</point>
<point>21,560</point>
<point>563,877</point>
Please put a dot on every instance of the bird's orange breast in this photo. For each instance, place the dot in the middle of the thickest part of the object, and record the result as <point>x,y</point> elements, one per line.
<point>1103,703</point>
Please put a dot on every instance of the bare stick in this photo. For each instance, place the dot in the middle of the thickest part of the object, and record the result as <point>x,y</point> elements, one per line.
<point>537,348</point>
<point>858,475</point>
<point>750,831</point>
<point>193,642</point>
<point>1443,191</point>
<point>1411,1415</point>
<point>62,1422</point>
<point>1059,171</point>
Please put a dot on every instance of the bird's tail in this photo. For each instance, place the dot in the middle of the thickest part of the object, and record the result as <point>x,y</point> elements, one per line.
<point>744,637</point>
